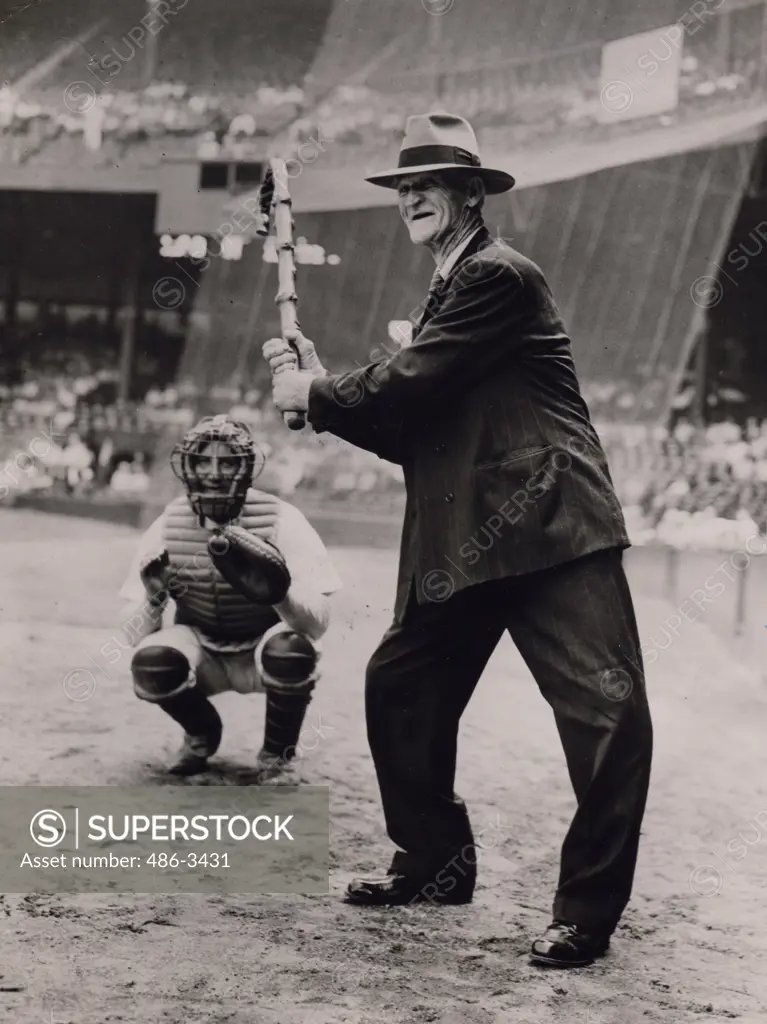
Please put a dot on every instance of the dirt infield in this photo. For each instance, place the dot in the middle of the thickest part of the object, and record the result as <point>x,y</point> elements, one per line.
<point>692,946</point>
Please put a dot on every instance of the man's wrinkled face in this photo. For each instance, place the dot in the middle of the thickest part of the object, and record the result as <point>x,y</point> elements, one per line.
<point>429,206</point>
<point>216,466</point>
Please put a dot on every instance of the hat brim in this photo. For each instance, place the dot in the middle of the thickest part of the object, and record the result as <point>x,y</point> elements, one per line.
<point>495,181</point>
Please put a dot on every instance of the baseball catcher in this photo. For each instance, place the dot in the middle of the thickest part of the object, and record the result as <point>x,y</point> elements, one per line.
<point>250,580</point>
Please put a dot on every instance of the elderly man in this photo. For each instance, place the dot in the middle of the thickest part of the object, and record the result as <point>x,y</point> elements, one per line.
<point>511,524</point>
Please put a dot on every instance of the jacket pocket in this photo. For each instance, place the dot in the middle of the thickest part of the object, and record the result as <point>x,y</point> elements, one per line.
<point>523,489</point>
<point>516,456</point>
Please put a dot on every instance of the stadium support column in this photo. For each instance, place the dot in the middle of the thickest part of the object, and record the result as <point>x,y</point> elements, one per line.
<point>11,343</point>
<point>113,302</point>
<point>150,49</point>
<point>724,43</point>
<point>700,394</point>
<point>130,319</point>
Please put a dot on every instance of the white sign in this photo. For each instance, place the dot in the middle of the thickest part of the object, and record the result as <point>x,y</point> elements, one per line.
<point>196,246</point>
<point>304,252</point>
<point>232,246</point>
<point>640,75</point>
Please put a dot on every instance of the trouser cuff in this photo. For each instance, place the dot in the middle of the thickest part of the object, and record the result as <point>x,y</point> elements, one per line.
<point>593,917</point>
<point>460,864</point>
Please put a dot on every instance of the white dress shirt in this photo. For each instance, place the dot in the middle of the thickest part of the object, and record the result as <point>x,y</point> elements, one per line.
<point>446,268</point>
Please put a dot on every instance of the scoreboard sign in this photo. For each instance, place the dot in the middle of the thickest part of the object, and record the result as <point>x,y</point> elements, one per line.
<point>640,75</point>
<point>193,194</point>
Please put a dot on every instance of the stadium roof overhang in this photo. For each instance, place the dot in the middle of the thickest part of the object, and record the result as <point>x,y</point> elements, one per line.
<point>320,190</point>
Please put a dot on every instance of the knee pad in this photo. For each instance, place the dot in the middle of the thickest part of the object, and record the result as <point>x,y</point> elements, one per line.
<point>287,662</point>
<point>160,672</point>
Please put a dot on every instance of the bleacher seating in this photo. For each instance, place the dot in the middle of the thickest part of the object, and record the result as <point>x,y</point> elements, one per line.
<point>74,89</point>
<point>223,79</point>
<point>685,487</point>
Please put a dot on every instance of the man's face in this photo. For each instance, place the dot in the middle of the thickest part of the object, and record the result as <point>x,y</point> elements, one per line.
<point>429,207</point>
<point>216,466</point>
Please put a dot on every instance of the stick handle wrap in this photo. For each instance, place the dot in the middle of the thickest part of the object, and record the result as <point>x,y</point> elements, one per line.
<point>276,203</point>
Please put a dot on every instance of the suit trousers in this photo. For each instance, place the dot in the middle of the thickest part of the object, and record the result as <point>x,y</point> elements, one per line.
<point>575,627</point>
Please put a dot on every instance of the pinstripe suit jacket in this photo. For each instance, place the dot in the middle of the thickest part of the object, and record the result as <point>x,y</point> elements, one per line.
<point>505,474</point>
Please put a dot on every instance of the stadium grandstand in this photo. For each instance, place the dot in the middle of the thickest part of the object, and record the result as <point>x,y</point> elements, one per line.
<point>635,133</point>
<point>103,87</point>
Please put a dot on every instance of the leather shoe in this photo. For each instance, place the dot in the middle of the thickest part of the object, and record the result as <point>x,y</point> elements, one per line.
<point>396,890</point>
<point>569,945</point>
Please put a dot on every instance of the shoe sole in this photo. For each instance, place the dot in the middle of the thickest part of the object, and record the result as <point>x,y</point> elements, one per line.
<point>539,958</point>
<point>357,901</point>
<point>182,772</point>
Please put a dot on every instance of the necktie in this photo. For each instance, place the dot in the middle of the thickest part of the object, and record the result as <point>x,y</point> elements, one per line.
<point>432,299</point>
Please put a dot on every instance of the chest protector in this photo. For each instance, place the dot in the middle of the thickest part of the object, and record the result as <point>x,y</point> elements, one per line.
<point>204,600</point>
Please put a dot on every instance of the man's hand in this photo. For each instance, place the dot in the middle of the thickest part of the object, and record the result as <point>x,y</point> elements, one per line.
<point>290,389</point>
<point>156,576</point>
<point>294,351</point>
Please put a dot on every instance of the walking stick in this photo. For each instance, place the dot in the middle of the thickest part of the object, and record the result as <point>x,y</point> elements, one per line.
<point>276,212</point>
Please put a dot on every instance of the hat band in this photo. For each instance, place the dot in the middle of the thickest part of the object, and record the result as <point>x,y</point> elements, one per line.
<point>423,155</point>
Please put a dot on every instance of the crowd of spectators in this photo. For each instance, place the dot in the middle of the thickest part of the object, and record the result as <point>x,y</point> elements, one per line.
<point>165,119</point>
<point>59,409</point>
<point>516,104</point>
<point>60,437</point>
<point>683,486</point>
<point>688,487</point>
<point>63,429</point>
<point>511,107</point>
<point>77,84</point>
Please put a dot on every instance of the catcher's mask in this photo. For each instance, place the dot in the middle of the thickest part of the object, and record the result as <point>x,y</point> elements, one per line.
<point>216,463</point>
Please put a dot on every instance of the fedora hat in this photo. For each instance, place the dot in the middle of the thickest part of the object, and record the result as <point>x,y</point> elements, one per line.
<point>439,142</point>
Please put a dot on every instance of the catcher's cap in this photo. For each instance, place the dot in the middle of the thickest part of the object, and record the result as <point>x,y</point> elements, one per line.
<point>220,428</point>
<point>439,142</point>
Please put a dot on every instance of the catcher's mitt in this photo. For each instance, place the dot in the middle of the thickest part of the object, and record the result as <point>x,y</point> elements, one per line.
<point>250,565</point>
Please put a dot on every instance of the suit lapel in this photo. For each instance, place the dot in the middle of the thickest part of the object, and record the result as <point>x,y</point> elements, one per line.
<point>432,305</point>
